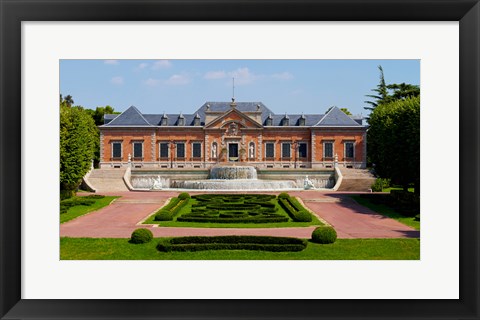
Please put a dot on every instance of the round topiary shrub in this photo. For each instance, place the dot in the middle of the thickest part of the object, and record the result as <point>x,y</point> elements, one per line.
<point>163,215</point>
<point>283,195</point>
<point>324,235</point>
<point>141,236</point>
<point>183,196</point>
<point>303,216</point>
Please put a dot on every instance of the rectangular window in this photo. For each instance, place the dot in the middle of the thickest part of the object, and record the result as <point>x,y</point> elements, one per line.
<point>286,150</point>
<point>196,150</point>
<point>138,149</point>
<point>180,150</point>
<point>116,149</point>
<point>164,150</point>
<point>302,150</point>
<point>349,150</point>
<point>269,150</point>
<point>328,149</point>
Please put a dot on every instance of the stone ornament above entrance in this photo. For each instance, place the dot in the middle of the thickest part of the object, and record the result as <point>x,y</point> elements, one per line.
<point>232,129</point>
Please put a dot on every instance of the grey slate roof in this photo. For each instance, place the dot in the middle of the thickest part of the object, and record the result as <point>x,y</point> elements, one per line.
<point>130,117</point>
<point>310,119</point>
<point>133,117</point>
<point>336,117</point>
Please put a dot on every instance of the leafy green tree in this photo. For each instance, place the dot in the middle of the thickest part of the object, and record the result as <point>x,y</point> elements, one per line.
<point>100,112</point>
<point>346,111</point>
<point>78,135</point>
<point>403,90</point>
<point>97,116</point>
<point>394,141</point>
<point>68,100</point>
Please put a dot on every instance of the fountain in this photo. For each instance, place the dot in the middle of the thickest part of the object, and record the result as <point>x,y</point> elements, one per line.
<point>222,172</point>
<point>231,177</point>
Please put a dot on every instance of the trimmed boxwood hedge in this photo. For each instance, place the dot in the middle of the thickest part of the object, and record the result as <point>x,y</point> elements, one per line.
<point>183,196</point>
<point>255,219</point>
<point>265,243</point>
<point>233,206</point>
<point>168,212</point>
<point>141,235</point>
<point>294,209</point>
<point>324,235</point>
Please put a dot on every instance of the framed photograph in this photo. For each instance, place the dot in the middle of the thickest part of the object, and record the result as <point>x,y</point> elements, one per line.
<point>35,36</point>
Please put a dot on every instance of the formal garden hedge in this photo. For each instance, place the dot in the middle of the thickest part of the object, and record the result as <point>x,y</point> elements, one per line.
<point>168,212</point>
<point>294,209</point>
<point>265,243</point>
<point>233,208</point>
<point>324,235</point>
<point>141,235</point>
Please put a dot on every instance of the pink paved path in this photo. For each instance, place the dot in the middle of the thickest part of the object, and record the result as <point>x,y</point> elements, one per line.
<point>123,216</point>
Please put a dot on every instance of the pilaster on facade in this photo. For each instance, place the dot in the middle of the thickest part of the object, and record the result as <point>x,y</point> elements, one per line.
<point>314,147</point>
<point>207,148</point>
<point>102,138</point>
<point>260,143</point>
<point>152,144</point>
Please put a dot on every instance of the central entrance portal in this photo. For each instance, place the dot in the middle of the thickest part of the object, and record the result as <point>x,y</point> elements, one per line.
<point>233,152</point>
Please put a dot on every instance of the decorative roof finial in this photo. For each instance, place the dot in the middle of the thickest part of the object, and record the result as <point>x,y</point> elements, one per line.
<point>233,104</point>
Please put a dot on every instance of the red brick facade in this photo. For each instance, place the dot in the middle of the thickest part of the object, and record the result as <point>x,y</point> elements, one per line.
<point>232,136</point>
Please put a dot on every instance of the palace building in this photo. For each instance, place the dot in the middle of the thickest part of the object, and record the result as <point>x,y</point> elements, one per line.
<point>225,132</point>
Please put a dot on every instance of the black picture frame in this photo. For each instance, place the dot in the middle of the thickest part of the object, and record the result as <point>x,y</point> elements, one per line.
<point>13,12</point>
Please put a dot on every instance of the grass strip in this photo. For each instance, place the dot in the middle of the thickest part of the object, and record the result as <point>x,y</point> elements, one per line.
<point>342,249</point>
<point>77,211</point>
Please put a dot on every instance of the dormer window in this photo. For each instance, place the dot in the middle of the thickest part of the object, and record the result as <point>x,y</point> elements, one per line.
<point>286,120</point>
<point>196,120</point>
<point>181,120</point>
<point>164,121</point>
<point>301,121</point>
<point>269,121</point>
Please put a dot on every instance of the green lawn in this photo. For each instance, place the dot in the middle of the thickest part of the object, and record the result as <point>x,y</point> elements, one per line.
<point>78,211</point>
<point>388,212</point>
<point>188,207</point>
<point>342,249</point>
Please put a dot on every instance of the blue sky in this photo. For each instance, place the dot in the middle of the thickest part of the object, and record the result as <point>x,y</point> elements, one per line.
<point>292,86</point>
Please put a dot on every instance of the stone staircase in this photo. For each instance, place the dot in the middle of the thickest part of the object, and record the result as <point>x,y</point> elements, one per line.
<point>356,180</point>
<point>104,180</point>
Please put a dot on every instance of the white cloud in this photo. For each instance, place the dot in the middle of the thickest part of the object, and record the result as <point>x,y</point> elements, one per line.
<point>282,76</point>
<point>178,79</point>
<point>151,82</point>
<point>142,65</point>
<point>117,80</point>
<point>161,64</point>
<point>211,75</point>
<point>112,62</point>
<point>243,76</point>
